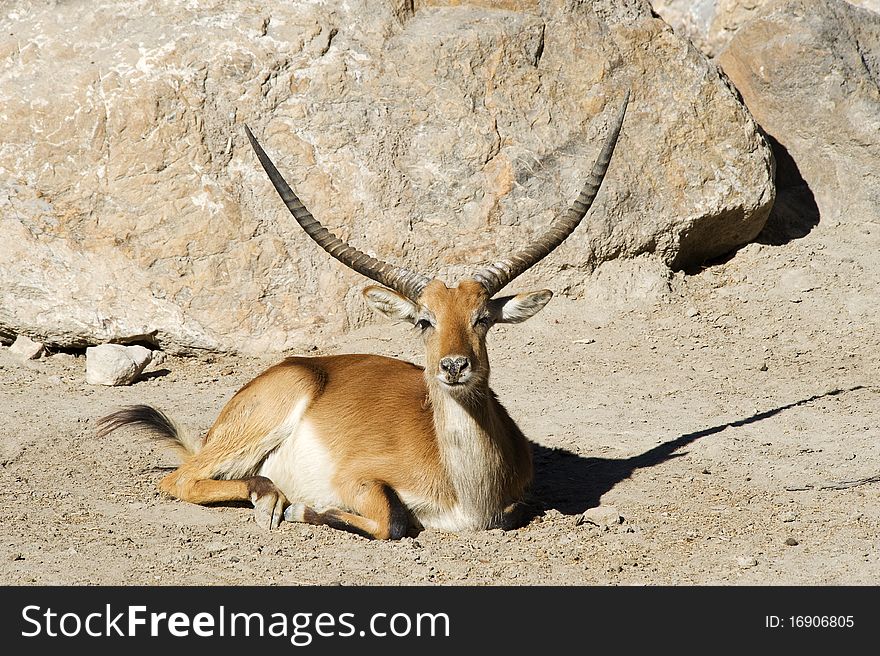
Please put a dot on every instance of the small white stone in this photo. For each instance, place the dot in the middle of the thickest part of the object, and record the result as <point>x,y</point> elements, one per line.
<point>115,364</point>
<point>601,516</point>
<point>26,348</point>
<point>746,562</point>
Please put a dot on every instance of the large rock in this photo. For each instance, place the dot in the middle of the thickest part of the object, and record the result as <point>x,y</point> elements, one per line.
<point>809,71</point>
<point>711,24</point>
<point>133,208</point>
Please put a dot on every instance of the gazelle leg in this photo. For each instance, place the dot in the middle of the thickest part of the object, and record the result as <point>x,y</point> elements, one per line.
<point>380,514</point>
<point>269,502</point>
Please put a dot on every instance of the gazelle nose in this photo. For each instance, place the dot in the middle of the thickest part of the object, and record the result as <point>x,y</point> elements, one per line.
<point>454,365</point>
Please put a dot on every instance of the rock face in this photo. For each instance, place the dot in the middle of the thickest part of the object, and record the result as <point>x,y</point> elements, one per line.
<point>809,71</point>
<point>433,136</point>
<point>711,24</point>
<point>708,23</point>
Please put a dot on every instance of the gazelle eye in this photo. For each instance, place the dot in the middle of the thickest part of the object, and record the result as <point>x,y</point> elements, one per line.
<point>483,321</point>
<point>423,324</point>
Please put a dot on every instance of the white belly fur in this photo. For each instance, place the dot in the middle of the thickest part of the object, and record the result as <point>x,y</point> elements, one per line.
<point>454,520</point>
<point>302,469</point>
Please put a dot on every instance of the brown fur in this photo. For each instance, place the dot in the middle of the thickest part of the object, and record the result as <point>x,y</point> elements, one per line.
<point>373,415</point>
<point>391,430</point>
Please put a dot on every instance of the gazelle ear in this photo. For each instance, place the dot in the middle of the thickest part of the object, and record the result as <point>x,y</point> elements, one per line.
<point>515,309</point>
<point>391,304</point>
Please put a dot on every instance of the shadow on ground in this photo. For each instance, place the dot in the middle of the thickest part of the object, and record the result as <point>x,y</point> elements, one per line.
<point>571,484</point>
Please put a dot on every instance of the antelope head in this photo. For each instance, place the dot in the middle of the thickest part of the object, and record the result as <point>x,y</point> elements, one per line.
<point>453,321</point>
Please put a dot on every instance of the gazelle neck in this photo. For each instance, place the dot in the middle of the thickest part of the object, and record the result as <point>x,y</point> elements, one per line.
<point>473,412</point>
<point>471,437</point>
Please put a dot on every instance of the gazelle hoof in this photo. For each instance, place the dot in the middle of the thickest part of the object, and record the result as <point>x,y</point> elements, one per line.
<point>269,510</point>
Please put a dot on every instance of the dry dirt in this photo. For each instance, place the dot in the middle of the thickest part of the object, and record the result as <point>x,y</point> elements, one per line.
<point>729,415</point>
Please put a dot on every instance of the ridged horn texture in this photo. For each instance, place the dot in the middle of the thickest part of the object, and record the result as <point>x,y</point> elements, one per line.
<point>407,282</point>
<point>497,275</point>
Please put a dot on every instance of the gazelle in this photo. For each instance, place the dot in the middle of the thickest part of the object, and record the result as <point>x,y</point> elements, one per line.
<point>370,444</point>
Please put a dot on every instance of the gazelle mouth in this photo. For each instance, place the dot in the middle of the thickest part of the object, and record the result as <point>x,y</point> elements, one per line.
<point>462,382</point>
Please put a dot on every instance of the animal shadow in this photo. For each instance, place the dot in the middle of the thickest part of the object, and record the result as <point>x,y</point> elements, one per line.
<point>571,484</point>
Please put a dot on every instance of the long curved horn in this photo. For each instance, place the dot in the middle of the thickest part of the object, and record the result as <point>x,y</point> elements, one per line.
<point>407,282</point>
<point>497,275</point>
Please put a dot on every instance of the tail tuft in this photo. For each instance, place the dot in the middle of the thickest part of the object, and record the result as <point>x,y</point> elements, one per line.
<point>149,420</point>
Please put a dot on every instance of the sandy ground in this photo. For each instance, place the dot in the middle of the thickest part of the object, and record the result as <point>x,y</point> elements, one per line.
<point>729,415</point>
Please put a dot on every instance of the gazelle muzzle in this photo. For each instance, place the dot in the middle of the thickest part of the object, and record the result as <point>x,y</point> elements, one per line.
<point>454,370</point>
